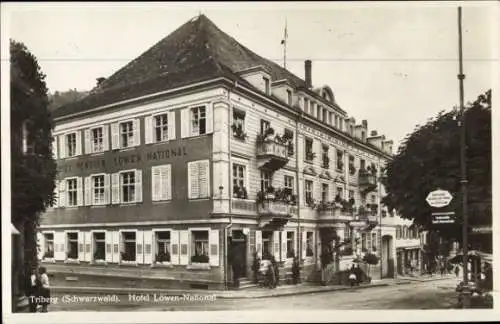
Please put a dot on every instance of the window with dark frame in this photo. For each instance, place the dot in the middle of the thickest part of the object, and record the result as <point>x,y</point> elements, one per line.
<point>48,252</point>
<point>98,189</point>
<point>71,144</point>
<point>198,121</point>
<point>309,244</point>
<point>128,186</point>
<point>99,246</point>
<point>97,140</point>
<point>72,249</point>
<point>72,192</point>
<point>127,134</point>
<point>162,246</point>
<point>129,247</point>
<point>200,248</point>
<point>161,128</point>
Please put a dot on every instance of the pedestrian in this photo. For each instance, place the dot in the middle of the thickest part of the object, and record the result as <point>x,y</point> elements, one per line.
<point>352,276</point>
<point>32,290</point>
<point>457,270</point>
<point>255,267</point>
<point>44,289</point>
<point>295,271</point>
<point>276,271</point>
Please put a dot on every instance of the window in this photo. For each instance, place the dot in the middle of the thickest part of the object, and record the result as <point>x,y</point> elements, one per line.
<point>330,118</point>
<point>238,126</point>
<point>312,109</point>
<point>289,183</point>
<point>289,135</point>
<point>126,134</point>
<point>161,128</point>
<point>162,247</point>
<point>341,124</point>
<point>72,192</point>
<point>265,180</point>
<point>351,194</point>
<point>239,179</point>
<point>325,113</point>
<point>309,149</point>
<point>290,244</point>
<point>48,252</point>
<point>306,105</point>
<point>98,190</point>
<point>398,232</point>
<point>336,121</point>
<point>340,192</point>
<point>266,85</point>
<point>340,160</point>
<point>289,96</point>
<point>324,154</point>
<point>362,164</point>
<point>198,121</point>
<point>127,180</point>
<point>267,243</point>
<point>71,144</point>
<point>324,192</point>
<point>199,251</point>
<point>374,241</point>
<point>308,188</point>
<point>72,252</point>
<point>363,241</point>
<point>161,176</point>
<point>199,179</point>
<point>309,244</point>
<point>318,114</point>
<point>97,140</point>
<point>264,125</point>
<point>128,253</point>
<point>99,246</point>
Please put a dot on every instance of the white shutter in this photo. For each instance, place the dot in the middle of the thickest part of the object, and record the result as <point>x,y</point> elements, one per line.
<point>209,118</point>
<point>116,246</point>
<point>79,191</point>
<point>41,245</point>
<point>155,183</point>
<point>171,125</point>
<point>174,247</point>
<point>105,138</point>
<point>87,141</point>
<point>183,247</point>
<point>81,246</point>
<point>115,136</point>
<point>283,246</point>
<point>139,246</point>
<point>61,201</point>
<point>107,191</point>
<point>56,194</point>
<point>185,123</point>
<point>54,148</point>
<point>109,246</point>
<point>59,242</point>
<point>296,243</point>
<point>193,181</point>
<point>62,147</point>
<point>78,143</point>
<point>88,246</point>
<point>258,243</point>
<point>304,244</point>
<point>137,132</point>
<point>204,178</point>
<point>214,247</point>
<point>115,188</point>
<point>276,244</point>
<point>138,185</point>
<point>148,129</point>
<point>167,182</point>
<point>88,192</point>
<point>148,247</point>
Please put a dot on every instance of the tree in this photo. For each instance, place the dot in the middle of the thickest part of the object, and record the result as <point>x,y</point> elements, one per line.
<point>33,168</point>
<point>61,98</point>
<point>429,158</point>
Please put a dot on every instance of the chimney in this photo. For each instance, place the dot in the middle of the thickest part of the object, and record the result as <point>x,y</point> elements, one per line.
<point>100,80</point>
<point>307,65</point>
<point>364,122</point>
<point>374,133</point>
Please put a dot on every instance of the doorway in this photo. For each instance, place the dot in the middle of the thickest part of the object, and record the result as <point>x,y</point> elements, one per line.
<point>239,248</point>
<point>387,257</point>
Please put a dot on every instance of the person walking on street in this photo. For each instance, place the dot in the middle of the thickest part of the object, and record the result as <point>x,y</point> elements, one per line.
<point>295,271</point>
<point>32,290</point>
<point>276,271</point>
<point>44,289</point>
<point>457,270</point>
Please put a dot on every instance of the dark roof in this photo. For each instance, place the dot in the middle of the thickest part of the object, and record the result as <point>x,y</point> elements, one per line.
<point>196,51</point>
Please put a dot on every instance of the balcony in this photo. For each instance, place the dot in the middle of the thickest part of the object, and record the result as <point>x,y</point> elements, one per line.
<point>272,155</point>
<point>274,214</point>
<point>367,181</point>
<point>334,212</point>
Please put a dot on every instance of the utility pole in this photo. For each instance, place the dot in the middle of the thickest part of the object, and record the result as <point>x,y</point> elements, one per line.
<point>466,293</point>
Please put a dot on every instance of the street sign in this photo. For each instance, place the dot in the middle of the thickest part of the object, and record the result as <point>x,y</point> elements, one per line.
<point>439,198</point>
<point>443,218</point>
<point>482,229</point>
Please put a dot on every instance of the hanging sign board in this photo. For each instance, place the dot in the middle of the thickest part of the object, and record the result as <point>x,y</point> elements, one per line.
<point>439,198</point>
<point>443,218</point>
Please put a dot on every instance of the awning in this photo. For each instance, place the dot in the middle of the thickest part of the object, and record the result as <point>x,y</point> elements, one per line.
<point>14,230</point>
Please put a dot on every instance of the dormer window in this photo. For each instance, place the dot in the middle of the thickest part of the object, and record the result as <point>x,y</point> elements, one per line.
<point>267,85</point>
<point>325,112</point>
<point>289,96</point>
<point>306,105</point>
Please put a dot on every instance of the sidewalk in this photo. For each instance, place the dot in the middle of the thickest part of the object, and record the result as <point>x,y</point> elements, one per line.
<point>257,292</point>
<point>427,277</point>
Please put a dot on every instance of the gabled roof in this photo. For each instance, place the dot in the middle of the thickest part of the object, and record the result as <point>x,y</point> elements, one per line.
<point>196,51</point>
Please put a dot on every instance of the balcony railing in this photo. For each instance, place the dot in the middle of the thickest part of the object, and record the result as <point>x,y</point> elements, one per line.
<point>334,212</point>
<point>275,208</point>
<point>272,155</point>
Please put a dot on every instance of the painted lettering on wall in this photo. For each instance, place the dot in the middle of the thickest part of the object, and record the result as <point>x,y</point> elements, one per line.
<point>165,154</point>
<point>90,165</point>
<point>127,159</point>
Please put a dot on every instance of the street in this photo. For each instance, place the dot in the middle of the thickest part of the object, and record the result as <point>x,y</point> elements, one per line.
<point>416,295</point>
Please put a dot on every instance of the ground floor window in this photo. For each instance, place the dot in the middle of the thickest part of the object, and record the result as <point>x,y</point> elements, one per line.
<point>162,246</point>
<point>128,252</point>
<point>199,244</point>
<point>309,244</point>
<point>290,253</point>
<point>72,252</point>
<point>267,244</point>
<point>48,252</point>
<point>99,246</point>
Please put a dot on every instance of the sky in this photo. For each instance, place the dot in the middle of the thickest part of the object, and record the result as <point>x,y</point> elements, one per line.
<point>394,64</point>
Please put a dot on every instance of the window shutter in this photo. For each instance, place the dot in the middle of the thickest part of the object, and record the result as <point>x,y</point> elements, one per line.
<point>87,141</point>
<point>214,247</point>
<point>304,244</point>
<point>171,125</point>
<point>105,138</point>
<point>148,247</point>
<point>194,185</point>
<point>81,246</point>
<point>78,143</point>
<point>276,244</point>
<point>148,130</point>
<point>115,188</point>
<point>62,147</point>
<point>209,118</point>
<point>109,246</point>
<point>139,246</point>
<point>283,246</point>
<point>184,247</point>
<point>62,193</point>
<point>88,247</point>
<point>88,192</point>
<point>174,247</point>
<point>155,183</point>
<point>138,185</point>
<point>368,242</point>
<point>41,245</point>
<point>258,243</point>
<point>54,148</point>
<point>59,243</point>
<point>296,243</point>
<point>115,136</point>
<point>204,179</point>
<point>166,185</point>
<point>79,191</point>
<point>116,247</point>
<point>107,191</point>
<point>137,132</point>
<point>56,194</point>
<point>185,120</point>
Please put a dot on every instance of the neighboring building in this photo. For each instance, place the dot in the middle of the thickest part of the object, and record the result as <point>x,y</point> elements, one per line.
<point>200,142</point>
